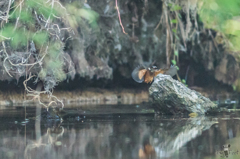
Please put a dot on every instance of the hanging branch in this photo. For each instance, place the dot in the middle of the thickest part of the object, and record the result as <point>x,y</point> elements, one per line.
<point>159,23</point>
<point>36,94</point>
<point>120,18</point>
<point>167,37</point>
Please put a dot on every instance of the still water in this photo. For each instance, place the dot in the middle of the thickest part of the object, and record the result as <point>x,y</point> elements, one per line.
<point>116,132</point>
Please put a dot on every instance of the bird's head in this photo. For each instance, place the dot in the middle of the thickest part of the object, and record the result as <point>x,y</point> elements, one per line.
<point>152,68</point>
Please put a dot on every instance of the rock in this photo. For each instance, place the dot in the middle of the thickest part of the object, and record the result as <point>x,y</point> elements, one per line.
<point>172,97</point>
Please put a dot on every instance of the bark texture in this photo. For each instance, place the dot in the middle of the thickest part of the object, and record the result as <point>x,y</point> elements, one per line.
<point>172,97</point>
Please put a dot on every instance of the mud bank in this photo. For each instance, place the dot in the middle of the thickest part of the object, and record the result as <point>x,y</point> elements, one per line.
<point>95,96</point>
<point>87,97</point>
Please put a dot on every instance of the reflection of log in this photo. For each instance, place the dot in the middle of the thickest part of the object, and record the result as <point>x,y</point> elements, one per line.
<point>171,96</point>
<point>177,133</point>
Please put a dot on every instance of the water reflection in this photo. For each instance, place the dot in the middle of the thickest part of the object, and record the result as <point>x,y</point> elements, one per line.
<point>118,136</point>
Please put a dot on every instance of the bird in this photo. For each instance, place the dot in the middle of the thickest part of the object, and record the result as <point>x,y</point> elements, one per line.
<point>146,74</point>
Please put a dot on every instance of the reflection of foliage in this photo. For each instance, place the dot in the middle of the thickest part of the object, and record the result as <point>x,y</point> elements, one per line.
<point>48,140</point>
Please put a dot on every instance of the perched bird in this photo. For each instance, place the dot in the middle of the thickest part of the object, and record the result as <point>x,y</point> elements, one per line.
<point>142,74</point>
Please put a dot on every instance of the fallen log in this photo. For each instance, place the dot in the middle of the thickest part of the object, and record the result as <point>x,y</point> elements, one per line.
<point>170,96</point>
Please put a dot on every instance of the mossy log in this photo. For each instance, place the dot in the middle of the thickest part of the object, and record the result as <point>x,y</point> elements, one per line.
<point>173,97</point>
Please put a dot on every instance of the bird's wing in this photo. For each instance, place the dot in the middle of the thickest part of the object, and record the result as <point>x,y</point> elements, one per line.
<point>141,73</point>
<point>138,74</point>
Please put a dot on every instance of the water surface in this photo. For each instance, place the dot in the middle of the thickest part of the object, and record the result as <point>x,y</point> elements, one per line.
<point>117,132</point>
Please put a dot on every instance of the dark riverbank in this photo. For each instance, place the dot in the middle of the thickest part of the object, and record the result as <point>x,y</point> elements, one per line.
<point>94,96</point>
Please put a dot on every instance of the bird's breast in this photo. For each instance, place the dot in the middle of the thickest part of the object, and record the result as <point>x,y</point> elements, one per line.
<point>148,78</point>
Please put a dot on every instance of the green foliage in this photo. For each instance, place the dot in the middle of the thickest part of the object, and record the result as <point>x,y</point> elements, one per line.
<point>174,62</point>
<point>76,15</point>
<point>23,16</point>
<point>53,62</point>
<point>42,74</point>
<point>59,75</point>
<point>177,67</point>
<point>184,82</point>
<point>55,49</point>
<point>32,3</point>
<point>53,67</point>
<point>45,9</point>
<point>234,87</point>
<point>8,31</point>
<point>174,21</point>
<point>175,31</point>
<point>28,22</point>
<point>222,16</point>
<point>40,38</point>
<point>174,7</point>
<point>88,14</point>
<point>176,53</point>
<point>18,37</point>
<point>22,29</point>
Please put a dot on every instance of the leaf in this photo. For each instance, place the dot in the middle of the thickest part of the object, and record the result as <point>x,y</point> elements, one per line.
<point>176,53</point>
<point>173,62</point>
<point>174,21</point>
<point>176,7</point>
<point>183,80</point>
<point>174,30</point>
<point>179,15</point>
<point>234,87</point>
<point>193,115</point>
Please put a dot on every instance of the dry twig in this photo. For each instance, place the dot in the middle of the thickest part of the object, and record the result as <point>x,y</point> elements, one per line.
<point>120,18</point>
